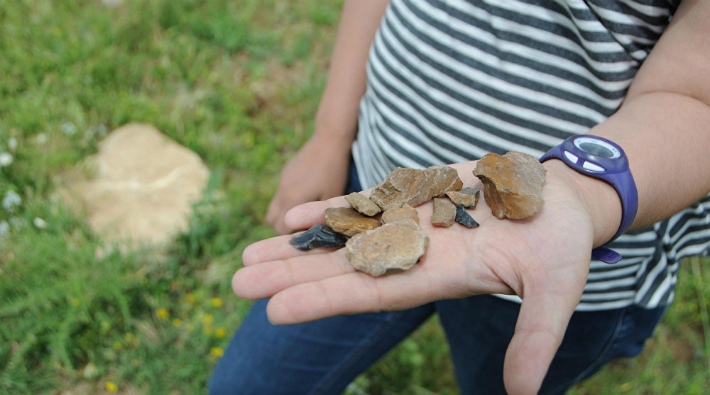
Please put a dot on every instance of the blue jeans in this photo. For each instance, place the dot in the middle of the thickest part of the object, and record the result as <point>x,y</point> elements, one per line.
<point>324,356</point>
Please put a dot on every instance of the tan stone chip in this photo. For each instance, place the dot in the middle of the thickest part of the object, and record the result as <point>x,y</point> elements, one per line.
<point>363,204</point>
<point>349,222</point>
<point>467,197</point>
<point>391,247</point>
<point>512,184</point>
<point>444,213</point>
<point>414,187</point>
<point>399,214</point>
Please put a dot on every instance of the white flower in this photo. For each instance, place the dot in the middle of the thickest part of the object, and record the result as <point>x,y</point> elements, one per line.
<point>11,200</point>
<point>41,138</point>
<point>5,159</point>
<point>4,229</point>
<point>68,128</point>
<point>40,223</point>
<point>12,144</point>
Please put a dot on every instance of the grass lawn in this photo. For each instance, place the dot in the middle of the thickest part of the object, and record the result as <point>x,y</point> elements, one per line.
<point>238,82</point>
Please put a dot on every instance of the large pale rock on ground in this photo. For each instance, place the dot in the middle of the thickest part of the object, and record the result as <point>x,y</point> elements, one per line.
<point>139,186</point>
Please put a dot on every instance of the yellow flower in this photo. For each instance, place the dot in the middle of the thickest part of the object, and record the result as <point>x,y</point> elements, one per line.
<point>162,313</point>
<point>216,302</point>
<point>111,386</point>
<point>128,336</point>
<point>217,352</point>
<point>220,333</point>
<point>177,322</point>
<point>74,301</point>
<point>117,345</point>
<point>190,298</point>
<point>208,319</point>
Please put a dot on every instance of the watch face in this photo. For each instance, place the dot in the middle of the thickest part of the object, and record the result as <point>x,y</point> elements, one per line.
<point>596,147</point>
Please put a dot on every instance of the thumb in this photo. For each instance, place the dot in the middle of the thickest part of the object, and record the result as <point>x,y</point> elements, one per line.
<point>541,325</point>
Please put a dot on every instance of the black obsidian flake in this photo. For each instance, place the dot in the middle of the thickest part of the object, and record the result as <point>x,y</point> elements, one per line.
<point>319,236</point>
<point>464,218</point>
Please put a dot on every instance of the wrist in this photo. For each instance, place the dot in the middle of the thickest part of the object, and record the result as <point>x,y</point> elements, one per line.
<point>599,199</point>
<point>333,140</point>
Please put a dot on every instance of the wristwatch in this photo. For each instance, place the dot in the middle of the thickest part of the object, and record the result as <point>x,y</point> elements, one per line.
<point>603,159</point>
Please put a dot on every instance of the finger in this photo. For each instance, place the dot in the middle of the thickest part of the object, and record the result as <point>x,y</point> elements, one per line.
<point>351,293</point>
<point>275,248</point>
<point>541,326</point>
<point>264,280</point>
<point>306,215</point>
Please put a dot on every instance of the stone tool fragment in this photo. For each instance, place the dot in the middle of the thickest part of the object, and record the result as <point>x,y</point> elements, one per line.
<point>468,197</point>
<point>464,218</point>
<point>414,187</point>
<point>348,221</point>
<point>319,236</point>
<point>512,184</point>
<point>399,214</point>
<point>444,213</point>
<point>441,179</point>
<point>362,204</point>
<point>391,247</point>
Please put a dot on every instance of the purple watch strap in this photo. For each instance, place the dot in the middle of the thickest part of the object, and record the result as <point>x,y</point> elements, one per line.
<point>614,171</point>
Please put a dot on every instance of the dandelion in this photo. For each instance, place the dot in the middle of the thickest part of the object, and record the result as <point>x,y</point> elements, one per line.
<point>208,319</point>
<point>177,322</point>
<point>41,139</point>
<point>217,352</point>
<point>68,128</point>
<point>220,333</point>
<point>74,302</point>
<point>162,313</point>
<point>12,144</point>
<point>190,298</point>
<point>117,345</point>
<point>40,223</point>
<point>5,159</point>
<point>11,200</point>
<point>111,386</point>
<point>217,302</point>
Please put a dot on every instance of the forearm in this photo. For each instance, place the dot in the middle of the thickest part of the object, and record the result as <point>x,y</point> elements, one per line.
<point>338,111</point>
<point>663,126</point>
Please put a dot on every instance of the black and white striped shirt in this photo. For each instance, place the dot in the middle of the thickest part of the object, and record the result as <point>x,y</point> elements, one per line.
<point>452,80</point>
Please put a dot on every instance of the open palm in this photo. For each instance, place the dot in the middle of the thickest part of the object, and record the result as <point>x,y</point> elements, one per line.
<point>544,260</point>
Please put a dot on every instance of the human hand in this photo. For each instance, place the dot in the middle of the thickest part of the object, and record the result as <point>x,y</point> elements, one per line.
<point>544,259</point>
<point>318,171</point>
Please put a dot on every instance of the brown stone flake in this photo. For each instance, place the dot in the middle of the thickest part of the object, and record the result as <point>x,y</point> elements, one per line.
<point>467,197</point>
<point>391,247</point>
<point>399,214</point>
<point>512,184</point>
<point>444,213</point>
<point>362,204</point>
<point>414,187</point>
<point>348,221</point>
<point>442,179</point>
